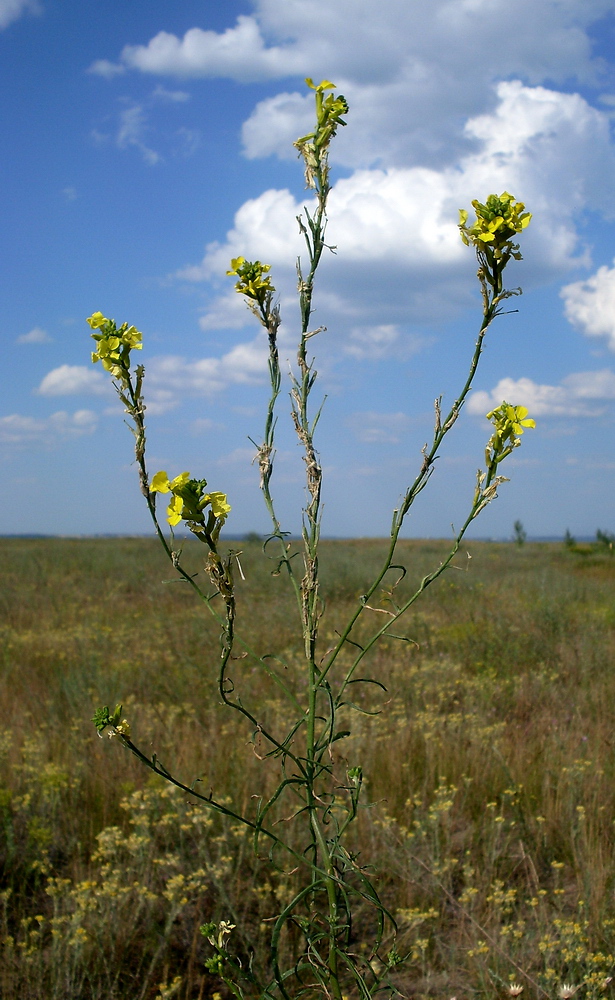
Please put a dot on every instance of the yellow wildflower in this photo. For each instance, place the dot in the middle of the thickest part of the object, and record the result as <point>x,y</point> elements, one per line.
<point>254,281</point>
<point>96,320</point>
<point>219,503</point>
<point>174,511</point>
<point>497,221</point>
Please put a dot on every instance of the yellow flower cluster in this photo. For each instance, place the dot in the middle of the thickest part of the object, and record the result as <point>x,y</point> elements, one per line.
<point>509,422</point>
<point>254,281</point>
<point>189,502</point>
<point>114,345</point>
<point>497,221</point>
<point>329,111</point>
<point>313,146</point>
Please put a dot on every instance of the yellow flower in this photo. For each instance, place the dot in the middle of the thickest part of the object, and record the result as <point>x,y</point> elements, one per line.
<point>517,415</point>
<point>189,502</point>
<point>132,338</point>
<point>162,484</point>
<point>323,85</point>
<point>254,281</point>
<point>497,222</point>
<point>509,422</point>
<point>174,510</point>
<point>219,504</point>
<point>236,263</point>
<point>313,146</point>
<point>96,320</point>
<point>179,481</point>
<point>113,346</point>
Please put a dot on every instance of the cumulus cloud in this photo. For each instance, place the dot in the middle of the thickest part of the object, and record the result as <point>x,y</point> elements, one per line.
<point>34,336</point>
<point>11,10</point>
<point>227,312</point>
<point>432,128</point>
<point>286,37</point>
<point>590,304</point>
<point>16,429</point>
<point>412,72</point>
<point>74,380</point>
<point>171,378</point>
<point>239,53</point>
<point>402,260</point>
<point>575,396</point>
<point>275,123</point>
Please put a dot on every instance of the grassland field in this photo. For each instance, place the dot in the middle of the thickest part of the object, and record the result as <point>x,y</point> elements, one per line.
<point>490,768</point>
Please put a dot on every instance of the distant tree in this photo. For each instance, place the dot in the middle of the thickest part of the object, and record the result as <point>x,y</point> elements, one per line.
<point>569,540</point>
<point>606,540</point>
<point>520,536</point>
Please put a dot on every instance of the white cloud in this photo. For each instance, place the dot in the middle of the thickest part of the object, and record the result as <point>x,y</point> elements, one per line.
<point>16,429</point>
<point>431,128</point>
<point>592,385</point>
<point>170,378</point>
<point>70,193</point>
<point>590,304</point>
<point>384,340</point>
<point>239,53</point>
<point>447,103</point>
<point>227,312</point>
<point>170,96</point>
<point>381,40</point>
<point>400,252</point>
<point>569,399</point>
<point>372,341</point>
<point>74,380</point>
<point>107,69</point>
<point>34,336</point>
<point>378,428</point>
<point>411,72</point>
<point>275,123</point>
<point>265,227</point>
<point>11,10</point>
<point>132,132</point>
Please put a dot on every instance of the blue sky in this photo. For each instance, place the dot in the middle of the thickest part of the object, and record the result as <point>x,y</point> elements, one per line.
<point>146,144</point>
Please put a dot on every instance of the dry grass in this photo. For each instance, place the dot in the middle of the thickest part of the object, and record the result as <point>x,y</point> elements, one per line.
<point>490,770</point>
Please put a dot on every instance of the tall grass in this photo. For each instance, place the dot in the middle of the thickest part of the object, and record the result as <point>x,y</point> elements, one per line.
<point>491,770</point>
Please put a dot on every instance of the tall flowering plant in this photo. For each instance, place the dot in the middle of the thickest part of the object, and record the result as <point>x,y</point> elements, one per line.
<point>319,788</point>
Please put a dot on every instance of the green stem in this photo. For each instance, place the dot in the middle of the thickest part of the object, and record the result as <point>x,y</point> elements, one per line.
<point>302,386</point>
<point>270,319</point>
<point>137,413</point>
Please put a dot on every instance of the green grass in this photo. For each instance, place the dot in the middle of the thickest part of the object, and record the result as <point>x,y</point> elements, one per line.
<point>490,768</point>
